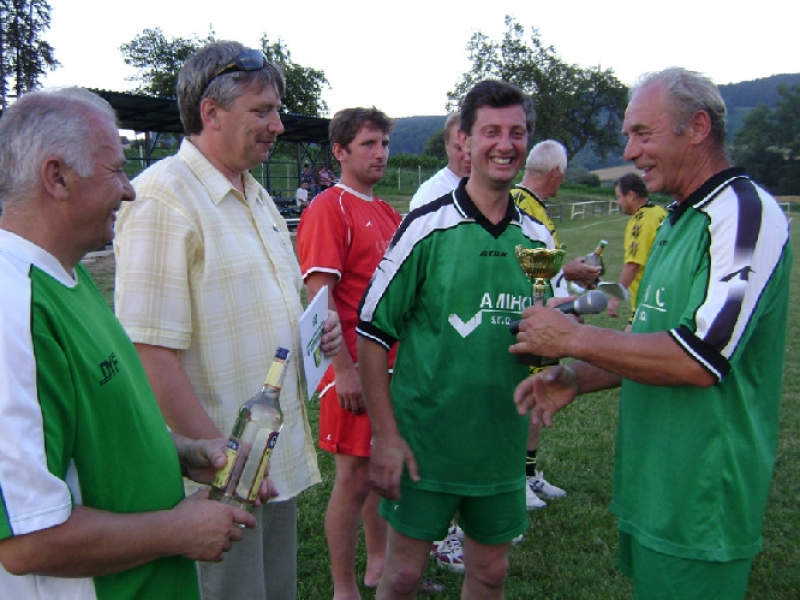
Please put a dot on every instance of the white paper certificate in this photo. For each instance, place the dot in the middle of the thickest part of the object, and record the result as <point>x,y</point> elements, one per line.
<point>311,321</point>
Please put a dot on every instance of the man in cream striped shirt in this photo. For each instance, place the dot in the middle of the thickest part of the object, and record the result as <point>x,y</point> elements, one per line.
<point>208,286</point>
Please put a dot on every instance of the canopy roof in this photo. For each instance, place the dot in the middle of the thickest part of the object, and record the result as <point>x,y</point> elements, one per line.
<point>145,113</point>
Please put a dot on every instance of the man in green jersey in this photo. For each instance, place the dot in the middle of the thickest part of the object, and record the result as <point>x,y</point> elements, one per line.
<point>701,369</point>
<point>447,438</point>
<point>92,498</point>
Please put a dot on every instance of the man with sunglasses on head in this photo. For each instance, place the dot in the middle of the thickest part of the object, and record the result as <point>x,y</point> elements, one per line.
<point>208,286</point>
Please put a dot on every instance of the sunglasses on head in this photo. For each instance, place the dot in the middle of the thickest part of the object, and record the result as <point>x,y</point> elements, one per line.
<point>248,60</point>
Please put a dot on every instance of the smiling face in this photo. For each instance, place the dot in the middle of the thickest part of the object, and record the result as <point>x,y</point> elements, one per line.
<point>96,199</point>
<point>496,145</point>
<point>249,128</point>
<point>663,156</point>
<point>364,159</point>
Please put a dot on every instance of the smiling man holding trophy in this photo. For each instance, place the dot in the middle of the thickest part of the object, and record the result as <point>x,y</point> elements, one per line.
<point>447,439</point>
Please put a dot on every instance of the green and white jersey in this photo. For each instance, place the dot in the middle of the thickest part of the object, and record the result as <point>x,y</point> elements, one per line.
<point>79,424</point>
<point>447,289</point>
<point>693,465</point>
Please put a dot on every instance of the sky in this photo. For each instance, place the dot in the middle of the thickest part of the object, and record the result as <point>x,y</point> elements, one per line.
<point>404,56</point>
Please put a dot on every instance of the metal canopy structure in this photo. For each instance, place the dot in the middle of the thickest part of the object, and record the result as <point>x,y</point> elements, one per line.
<point>145,113</point>
<point>156,116</point>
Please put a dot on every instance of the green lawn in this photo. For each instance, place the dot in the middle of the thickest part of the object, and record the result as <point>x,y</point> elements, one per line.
<point>569,551</point>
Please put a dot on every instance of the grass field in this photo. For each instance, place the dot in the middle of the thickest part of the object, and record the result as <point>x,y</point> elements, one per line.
<point>569,550</point>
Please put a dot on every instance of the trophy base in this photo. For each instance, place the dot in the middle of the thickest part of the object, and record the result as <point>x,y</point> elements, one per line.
<point>539,362</point>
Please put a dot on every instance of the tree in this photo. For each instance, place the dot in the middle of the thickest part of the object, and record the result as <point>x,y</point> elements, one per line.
<point>577,106</point>
<point>24,55</point>
<point>435,145</point>
<point>768,144</point>
<point>304,85</point>
<point>159,61</point>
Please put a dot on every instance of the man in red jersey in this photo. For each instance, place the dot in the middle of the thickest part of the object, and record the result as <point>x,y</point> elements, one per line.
<point>341,239</point>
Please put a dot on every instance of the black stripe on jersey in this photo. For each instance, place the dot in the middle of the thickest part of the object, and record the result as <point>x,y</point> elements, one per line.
<point>750,211</point>
<point>708,357</point>
<point>371,332</point>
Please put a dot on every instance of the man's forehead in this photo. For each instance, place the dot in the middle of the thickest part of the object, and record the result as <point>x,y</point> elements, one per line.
<point>645,105</point>
<point>369,129</point>
<point>257,92</point>
<point>489,114</point>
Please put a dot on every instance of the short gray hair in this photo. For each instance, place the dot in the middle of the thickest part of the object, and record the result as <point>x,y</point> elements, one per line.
<point>689,92</point>
<point>197,81</point>
<point>47,123</point>
<point>545,156</point>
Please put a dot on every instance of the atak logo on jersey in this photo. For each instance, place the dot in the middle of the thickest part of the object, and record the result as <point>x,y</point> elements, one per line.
<point>497,253</point>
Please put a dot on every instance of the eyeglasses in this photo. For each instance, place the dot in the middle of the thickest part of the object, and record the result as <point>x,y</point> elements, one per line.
<point>248,60</point>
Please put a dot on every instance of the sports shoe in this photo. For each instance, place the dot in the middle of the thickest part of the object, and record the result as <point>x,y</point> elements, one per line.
<point>517,540</point>
<point>448,553</point>
<point>532,501</point>
<point>539,485</point>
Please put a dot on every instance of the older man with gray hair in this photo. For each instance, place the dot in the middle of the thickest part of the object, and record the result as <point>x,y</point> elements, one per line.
<point>701,369</point>
<point>208,286</point>
<point>545,169</point>
<point>93,505</point>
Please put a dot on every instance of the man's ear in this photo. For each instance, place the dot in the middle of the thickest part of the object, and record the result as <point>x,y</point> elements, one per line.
<point>209,113</point>
<point>338,151</point>
<point>699,127</point>
<point>56,175</point>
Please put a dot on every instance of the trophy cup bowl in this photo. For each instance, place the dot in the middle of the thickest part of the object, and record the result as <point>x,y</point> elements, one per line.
<point>539,264</point>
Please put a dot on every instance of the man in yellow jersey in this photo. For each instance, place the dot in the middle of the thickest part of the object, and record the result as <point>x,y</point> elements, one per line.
<point>640,233</point>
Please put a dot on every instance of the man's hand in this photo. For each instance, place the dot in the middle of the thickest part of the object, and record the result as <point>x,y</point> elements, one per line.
<point>348,389</point>
<point>546,393</point>
<point>331,341</point>
<point>211,528</point>
<point>201,459</point>
<point>545,332</point>
<point>386,465</point>
<point>578,271</point>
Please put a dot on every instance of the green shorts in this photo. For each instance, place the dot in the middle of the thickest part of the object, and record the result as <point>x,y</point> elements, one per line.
<point>425,515</point>
<point>659,576</point>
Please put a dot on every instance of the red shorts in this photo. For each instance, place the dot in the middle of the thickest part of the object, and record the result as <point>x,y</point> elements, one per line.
<point>341,431</point>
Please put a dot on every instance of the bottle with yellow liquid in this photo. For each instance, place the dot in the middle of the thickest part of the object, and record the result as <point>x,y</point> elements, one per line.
<point>595,259</point>
<point>252,441</point>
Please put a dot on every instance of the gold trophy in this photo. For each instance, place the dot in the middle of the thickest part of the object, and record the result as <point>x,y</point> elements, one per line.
<point>540,265</point>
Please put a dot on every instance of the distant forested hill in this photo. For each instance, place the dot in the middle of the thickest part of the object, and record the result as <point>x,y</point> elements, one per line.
<point>749,94</point>
<point>741,98</point>
<point>411,133</point>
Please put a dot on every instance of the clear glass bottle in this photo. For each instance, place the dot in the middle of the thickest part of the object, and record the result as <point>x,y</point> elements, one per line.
<point>595,259</point>
<point>252,441</point>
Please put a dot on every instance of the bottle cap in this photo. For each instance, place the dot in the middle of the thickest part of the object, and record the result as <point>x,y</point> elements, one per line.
<point>281,353</point>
